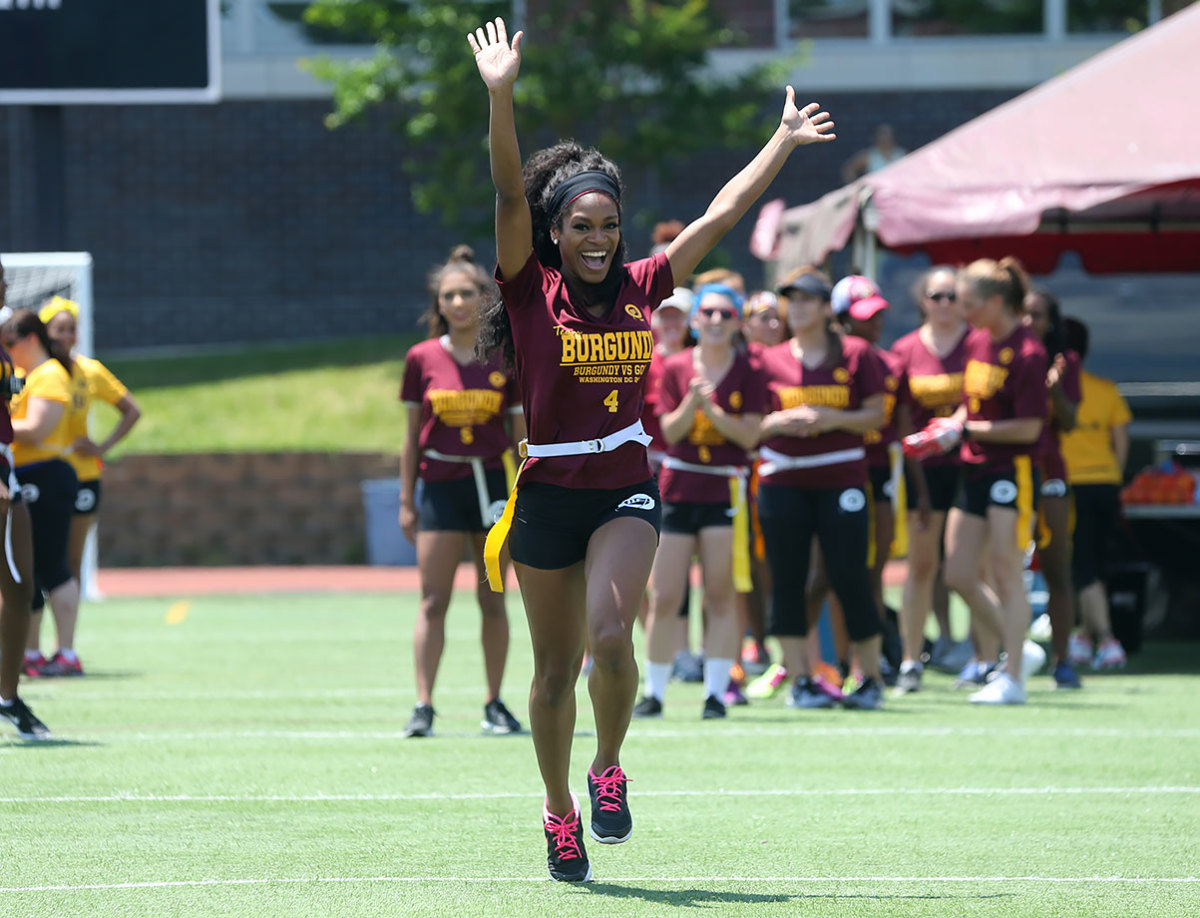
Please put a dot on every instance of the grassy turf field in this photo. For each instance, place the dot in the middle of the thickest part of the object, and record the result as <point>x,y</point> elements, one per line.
<point>242,756</point>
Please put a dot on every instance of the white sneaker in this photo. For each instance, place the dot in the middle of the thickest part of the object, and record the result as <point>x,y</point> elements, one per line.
<point>1033,658</point>
<point>1041,630</point>
<point>1003,689</point>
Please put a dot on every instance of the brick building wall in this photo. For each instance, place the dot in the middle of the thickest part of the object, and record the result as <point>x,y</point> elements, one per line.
<point>249,221</point>
<point>247,508</point>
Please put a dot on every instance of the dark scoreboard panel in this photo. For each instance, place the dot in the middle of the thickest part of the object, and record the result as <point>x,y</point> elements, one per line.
<point>109,51</point>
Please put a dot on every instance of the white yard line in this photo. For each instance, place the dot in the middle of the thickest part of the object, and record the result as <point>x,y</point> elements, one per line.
<point>710,881</point>
<point>533,794</point>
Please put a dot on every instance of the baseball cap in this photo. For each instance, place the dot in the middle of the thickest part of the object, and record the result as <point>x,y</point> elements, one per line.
<point>849,290</point>
<point>803,280</point>
<point>868,306</point>
<point>681,298</point>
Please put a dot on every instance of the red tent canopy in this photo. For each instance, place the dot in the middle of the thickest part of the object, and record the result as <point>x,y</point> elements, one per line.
<point>1103,160</point>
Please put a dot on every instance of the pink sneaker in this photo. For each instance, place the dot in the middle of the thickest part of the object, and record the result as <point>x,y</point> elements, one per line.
<point>1109,655</point>
<point>57,665</point>
<point>1079,649</point>
<point>32,667</point>
<point>828,688</point>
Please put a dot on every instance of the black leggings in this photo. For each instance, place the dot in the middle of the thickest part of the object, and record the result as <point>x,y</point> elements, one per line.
<point>790,517</point>
<point>1097,510</point>
<point>48,489</point>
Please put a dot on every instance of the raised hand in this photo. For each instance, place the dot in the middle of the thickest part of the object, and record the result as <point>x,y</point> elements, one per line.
<point>497,60</point>
<point>806,125</point>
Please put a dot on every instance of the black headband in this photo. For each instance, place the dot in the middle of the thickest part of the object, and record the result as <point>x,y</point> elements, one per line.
<point>582,183</point>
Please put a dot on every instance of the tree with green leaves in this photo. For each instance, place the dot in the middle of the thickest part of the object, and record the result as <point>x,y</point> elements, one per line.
<point>631,78</point>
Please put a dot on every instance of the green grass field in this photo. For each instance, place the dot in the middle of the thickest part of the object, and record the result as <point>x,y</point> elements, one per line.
<point>242,756</point>
<point>338,395</point>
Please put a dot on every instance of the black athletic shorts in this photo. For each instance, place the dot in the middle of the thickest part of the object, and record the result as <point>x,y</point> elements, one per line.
<point>998,488</point>
<point>880,477</point>
<point>48,488</point>
<point>942,481</point>
<point>87,497</point>
<point>453,506</point>
<point>553,524</point>
<point>687,517</point>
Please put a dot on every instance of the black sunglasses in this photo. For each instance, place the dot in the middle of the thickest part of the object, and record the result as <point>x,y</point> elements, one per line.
<point>948,297</point>
<point>711,311</point>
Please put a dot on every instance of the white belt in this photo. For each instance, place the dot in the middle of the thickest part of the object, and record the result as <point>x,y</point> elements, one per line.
<point>486,516</point>
<point>725,471</point>
<point>634,433</point>
<point>778,462</point>
<point>14,488</point>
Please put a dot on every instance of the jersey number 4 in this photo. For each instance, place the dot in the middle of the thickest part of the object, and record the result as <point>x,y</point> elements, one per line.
<point>611,401</point>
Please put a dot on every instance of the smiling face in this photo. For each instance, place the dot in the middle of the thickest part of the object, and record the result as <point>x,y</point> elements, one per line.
<point>939,300</point>
<point>63,329</point>
<point>459,299</point>
<point>670,328</point>
<point>764,326</point>
<point>716,319</point>
<point>588,237</point>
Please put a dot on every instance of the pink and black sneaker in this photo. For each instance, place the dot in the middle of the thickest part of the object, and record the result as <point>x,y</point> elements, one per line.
<point>58,665</point>
<point>565,855</point>
<point>611,822</point>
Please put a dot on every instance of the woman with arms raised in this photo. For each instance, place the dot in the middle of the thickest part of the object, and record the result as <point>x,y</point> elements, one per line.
<point>585,514</point>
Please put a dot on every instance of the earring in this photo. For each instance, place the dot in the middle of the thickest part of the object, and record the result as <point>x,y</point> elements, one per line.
<point>554,239</point>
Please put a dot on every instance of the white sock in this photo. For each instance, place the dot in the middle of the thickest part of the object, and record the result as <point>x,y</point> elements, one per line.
<point>68,654</point>
<point>716,676</point>
<point>6,702</point>
<point>657,677</point>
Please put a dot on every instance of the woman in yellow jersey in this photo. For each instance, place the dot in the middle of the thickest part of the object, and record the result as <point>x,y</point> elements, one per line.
<point>16,568</point>
<point>1095,452</point>
<point>62,324</point>
<point>41,441</point>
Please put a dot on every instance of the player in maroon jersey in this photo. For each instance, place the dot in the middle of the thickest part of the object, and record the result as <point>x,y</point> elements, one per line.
<point>711,403</point>
<point>16,565</point>
<point>826,392</point>
<point>463,417</point>
<point>932,358</point>
<point>1003,410</point>
<point>1044,318</point>
<point>575,320</point>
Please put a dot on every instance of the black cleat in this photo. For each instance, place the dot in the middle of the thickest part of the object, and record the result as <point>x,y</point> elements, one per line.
<point>498,719</point>
<point>28,726</point>
<point>649,706</point>
<point>713,709</point>
<point>421,722</point>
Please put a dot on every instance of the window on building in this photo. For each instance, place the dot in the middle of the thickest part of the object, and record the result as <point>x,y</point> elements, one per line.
<point>917,18</point>
<point>828,18</point>
<point>1085,16</point>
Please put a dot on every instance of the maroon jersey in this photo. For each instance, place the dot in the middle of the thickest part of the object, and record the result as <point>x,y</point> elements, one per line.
<point>583,377</point>
<point>858,375</point>
<point>1049,446</point>
<point>877,441</point>
<point>742,390</point>
<point>934,383</point>
<point>650,410</point>
<point>7,372</point>
<point>1002,380</point>
<point>463,408</point>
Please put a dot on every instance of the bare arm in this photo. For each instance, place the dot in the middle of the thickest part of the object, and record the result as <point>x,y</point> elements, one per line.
<point>796,128</point>
<point>410,461</point>
<point>679,421</point>
<point>870,416</point>
<point>498,63</point>
<point>131,413</point>
<point>39,421</point>
<point>518,430</point>
<point>1120,442</point>
<point>1013,430</point>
